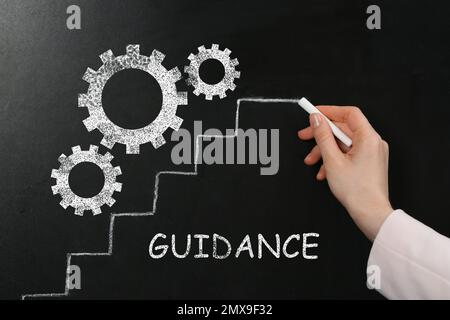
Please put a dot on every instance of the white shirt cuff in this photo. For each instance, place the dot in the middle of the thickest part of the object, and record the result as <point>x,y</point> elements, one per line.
<point>413,260</point>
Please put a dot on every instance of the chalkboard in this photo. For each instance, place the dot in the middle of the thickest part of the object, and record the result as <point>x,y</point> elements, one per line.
<point>398,75</point>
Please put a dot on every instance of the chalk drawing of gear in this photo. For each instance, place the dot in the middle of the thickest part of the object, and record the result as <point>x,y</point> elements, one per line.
<point>229,66</point>
<point>80,204</point>
<point>171,99</point>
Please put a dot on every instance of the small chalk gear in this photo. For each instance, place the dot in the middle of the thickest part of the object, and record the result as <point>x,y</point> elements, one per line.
<point>220,88</point>
<point>171,99</point>
<point>69,198</point>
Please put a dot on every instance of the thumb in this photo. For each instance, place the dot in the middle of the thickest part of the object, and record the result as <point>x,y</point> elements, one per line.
<point>324,138</point>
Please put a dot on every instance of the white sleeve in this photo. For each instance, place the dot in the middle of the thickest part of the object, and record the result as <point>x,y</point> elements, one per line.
<point>413,260</point>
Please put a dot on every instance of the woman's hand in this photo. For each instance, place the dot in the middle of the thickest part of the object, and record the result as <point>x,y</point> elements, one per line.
<point>358,177</point>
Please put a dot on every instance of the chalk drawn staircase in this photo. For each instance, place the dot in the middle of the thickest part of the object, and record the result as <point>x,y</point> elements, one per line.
<point>115,216</point>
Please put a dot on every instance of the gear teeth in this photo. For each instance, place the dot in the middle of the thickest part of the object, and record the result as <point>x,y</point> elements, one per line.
<point>175,123</point>
<point>76,149</point>
<point>157,56</point>
<point>62,158</point>
<point>89,75</point>
<point>55,189</point>
<point>132,49</point>
<point>68,197</point>
<point>108,157</point>
<point>117,186</point>
<point>79,211</point>
<point>83,100</point>
<point>90,123</point>
<point>182,98</point>
<point>132,149</point>
<point>158,141</point>
<point>175,74</point>
<point>107,142</point>
<point>110,202</point>
<point>222,56</point>
<point>234,62</point>
<point>64,204</point>
<point>152,64</point>
<point>107,56</point>
<point>55,173</point>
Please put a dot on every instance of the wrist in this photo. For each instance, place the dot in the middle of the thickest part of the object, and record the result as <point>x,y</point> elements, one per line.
<point>378,217</point>
<point>371,217</point>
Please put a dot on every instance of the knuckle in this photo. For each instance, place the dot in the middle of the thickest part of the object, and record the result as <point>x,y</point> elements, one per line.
<point>373,140</point>
<point>386,148</point>
<point>355,109</point>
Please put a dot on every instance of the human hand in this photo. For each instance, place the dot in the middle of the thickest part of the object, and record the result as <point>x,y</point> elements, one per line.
<point>357,176</point>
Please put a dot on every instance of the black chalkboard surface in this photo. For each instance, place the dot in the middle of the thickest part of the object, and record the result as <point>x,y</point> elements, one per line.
<point>398,75</point>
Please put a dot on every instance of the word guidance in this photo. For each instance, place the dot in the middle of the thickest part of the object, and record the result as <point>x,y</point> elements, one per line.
<point>208,247</point>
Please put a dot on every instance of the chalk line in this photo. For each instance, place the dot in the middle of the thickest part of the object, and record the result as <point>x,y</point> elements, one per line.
<point>109,252</point>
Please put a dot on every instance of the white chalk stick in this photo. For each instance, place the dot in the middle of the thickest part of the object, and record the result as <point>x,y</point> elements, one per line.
<point>338,133</point>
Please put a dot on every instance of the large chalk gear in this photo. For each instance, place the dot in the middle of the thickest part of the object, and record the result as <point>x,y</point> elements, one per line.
<point>80,204</point>
<point>229,66</point>
<point>171,99</point>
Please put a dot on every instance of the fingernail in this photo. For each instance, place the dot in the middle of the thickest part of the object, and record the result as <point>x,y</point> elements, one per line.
<point>308,156</point>
<point>315,120</point>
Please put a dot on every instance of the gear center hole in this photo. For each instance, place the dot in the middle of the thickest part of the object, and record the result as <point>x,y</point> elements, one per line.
<point>211,71</point>
<point>132,99</point>
<point>86,179</point>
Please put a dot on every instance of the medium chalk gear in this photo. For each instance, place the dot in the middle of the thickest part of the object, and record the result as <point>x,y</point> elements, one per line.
<point>229,66</point>
<point>69,198</point>
<point>171,99</point>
